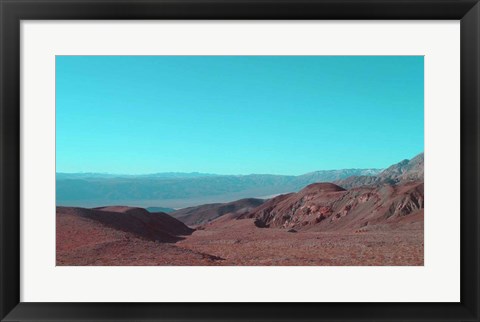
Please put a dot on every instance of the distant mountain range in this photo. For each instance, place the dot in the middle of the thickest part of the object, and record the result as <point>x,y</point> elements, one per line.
<point>179,190</point>
<point>406,170</point>
<point>165,191</point>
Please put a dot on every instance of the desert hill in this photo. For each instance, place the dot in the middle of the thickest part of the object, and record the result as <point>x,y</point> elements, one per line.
<point>88,237</point>
<point>137,221</point>
<point>327,207</point>
<point>199,215</point>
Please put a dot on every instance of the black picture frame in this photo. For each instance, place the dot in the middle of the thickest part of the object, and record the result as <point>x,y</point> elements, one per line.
<point>13,11</point>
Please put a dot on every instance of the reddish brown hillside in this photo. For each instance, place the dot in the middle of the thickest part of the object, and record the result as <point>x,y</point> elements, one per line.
<point>327,207</point>
<point>81,240</point>
<point>151,226</point>
<point>162,220</point>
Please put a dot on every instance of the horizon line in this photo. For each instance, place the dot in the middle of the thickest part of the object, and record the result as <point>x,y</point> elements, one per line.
<point>229,174</point>
<point>213,174</point>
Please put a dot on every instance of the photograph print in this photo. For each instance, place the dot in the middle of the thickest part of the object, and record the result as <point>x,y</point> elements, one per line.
<point>239,160</point>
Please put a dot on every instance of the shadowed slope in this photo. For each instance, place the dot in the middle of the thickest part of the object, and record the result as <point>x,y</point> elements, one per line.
<point>205,213</point>
<point>83,240</point>
<point>151,226</point>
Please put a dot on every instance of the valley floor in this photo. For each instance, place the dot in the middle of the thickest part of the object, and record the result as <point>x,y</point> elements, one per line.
<point>239,242</point>
<point>245,245</point>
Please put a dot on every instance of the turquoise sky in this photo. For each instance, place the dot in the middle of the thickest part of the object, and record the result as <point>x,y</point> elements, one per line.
<point>237,114</point>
